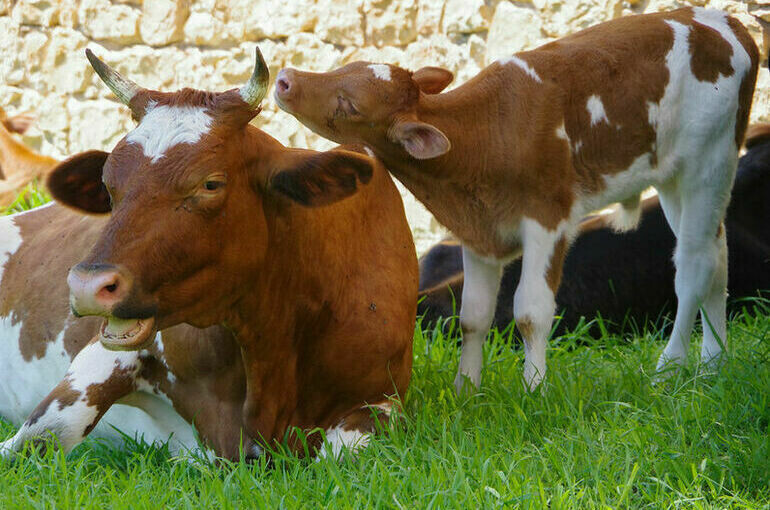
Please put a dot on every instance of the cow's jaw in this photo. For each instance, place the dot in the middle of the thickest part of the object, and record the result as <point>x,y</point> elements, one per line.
<point>126,334</point>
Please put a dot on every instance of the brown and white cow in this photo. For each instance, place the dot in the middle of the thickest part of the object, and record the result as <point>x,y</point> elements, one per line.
<point>213,222</point>
<point>514,158</point>
<point>19,164</point>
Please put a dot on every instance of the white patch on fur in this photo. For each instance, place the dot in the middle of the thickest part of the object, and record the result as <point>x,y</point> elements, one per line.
<point>625,215</point>
<point>562,133</point>
<point>163,127</point>
<point>338,439</point>
<point>596,109</point>
<point>381,71</point>
<point>576,146</point>
<point>23,383</point>
<point>522,64</point>
<point>369,151</point>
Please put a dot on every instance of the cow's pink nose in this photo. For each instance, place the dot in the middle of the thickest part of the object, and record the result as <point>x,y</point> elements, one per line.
<point>96,289</point>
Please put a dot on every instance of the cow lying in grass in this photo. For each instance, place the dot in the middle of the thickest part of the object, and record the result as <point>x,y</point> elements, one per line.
<point>309,310</point>
<point>19,165</point>
<point>626,278</point>
<point>512,160</point>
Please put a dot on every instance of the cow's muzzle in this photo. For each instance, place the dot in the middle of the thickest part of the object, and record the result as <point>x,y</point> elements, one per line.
<point>102,290</point>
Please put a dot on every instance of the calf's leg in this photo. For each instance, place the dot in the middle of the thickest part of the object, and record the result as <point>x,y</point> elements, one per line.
<point>95,380</point>
<point>482,282</point>
<point>700,258</point>
<point>534,301</point>
<point>714,310</point>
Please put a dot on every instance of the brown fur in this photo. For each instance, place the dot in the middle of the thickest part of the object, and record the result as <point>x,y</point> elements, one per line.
<point>746,92</point>
<point>319,333</point>
<point>620,61</point>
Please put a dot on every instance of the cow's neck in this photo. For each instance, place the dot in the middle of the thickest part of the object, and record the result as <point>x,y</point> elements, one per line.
<point>273,321</point>
<point>478,118</point>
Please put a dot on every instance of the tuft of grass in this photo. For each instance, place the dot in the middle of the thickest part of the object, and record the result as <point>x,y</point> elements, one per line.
<point>30,196</point>
<point>600,435</point>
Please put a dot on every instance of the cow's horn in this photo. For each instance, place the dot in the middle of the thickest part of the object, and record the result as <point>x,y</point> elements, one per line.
<point>256,89</point>
<point>123,88</point>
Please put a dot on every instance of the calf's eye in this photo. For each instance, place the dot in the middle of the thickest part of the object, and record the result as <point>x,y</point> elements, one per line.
<point>344,104</point>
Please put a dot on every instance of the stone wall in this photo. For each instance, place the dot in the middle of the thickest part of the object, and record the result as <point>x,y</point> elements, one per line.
<point>209,44</point>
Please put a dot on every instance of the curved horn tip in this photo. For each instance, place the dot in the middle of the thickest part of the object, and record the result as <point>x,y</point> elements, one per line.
<point>123,88</point>
<point>255,90</point>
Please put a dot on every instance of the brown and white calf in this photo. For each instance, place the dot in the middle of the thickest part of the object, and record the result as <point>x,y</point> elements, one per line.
<point>19,164</point>
<point>212,222</point>
<point>514,158</point>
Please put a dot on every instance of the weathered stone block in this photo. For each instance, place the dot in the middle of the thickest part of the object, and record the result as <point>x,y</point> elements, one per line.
<point>102,20</point>
<point>391,22</point>
<point>163,21</point>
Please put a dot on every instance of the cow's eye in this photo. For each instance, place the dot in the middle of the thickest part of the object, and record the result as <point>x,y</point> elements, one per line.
<point>214,183</point>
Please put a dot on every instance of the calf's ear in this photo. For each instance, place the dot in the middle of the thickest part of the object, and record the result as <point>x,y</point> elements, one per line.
<point>432,80</point>
<point>77,182</point>
<point>420,139</point>
<point>319,178</point>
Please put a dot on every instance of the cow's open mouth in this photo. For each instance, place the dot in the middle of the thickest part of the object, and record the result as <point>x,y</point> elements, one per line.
<point>126,334</point>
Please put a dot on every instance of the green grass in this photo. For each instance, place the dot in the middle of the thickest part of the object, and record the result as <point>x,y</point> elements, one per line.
<point>600,436</point>
<point>32,195</point>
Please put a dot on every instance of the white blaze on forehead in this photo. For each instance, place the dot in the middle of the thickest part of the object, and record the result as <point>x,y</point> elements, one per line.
<point>381,71</point>
<point>596,109</point>
<point>163,127</point>
<point>523,65</point>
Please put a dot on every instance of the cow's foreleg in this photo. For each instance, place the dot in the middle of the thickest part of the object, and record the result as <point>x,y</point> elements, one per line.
<point>95,380</point>
<point>534,301</point>
<point>482,282</point>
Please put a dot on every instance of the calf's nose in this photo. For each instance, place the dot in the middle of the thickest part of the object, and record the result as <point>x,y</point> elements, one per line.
<point>284,83</point>
<point>95,289</point>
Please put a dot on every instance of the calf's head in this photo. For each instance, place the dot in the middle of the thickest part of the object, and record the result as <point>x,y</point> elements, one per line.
<point>376,104</point>
<point>187,192</point>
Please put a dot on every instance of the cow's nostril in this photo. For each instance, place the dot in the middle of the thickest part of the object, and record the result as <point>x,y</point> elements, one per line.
<point>111,287</point>
<point>282,85</point>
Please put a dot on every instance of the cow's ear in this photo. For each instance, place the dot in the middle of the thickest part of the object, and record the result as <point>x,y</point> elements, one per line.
<point>319,178</point>
<point>432,80</point>
<point>420,139</point>
<point>19,123</point>
<point>77,182</point>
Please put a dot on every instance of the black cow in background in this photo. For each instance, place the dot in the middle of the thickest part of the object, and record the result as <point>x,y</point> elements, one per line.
<point>627,278</point>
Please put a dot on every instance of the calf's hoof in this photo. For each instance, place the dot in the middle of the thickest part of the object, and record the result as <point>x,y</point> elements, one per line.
<point>465,385</point>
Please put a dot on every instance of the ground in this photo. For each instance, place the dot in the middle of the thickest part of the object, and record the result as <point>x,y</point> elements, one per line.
<point>601,434</point>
